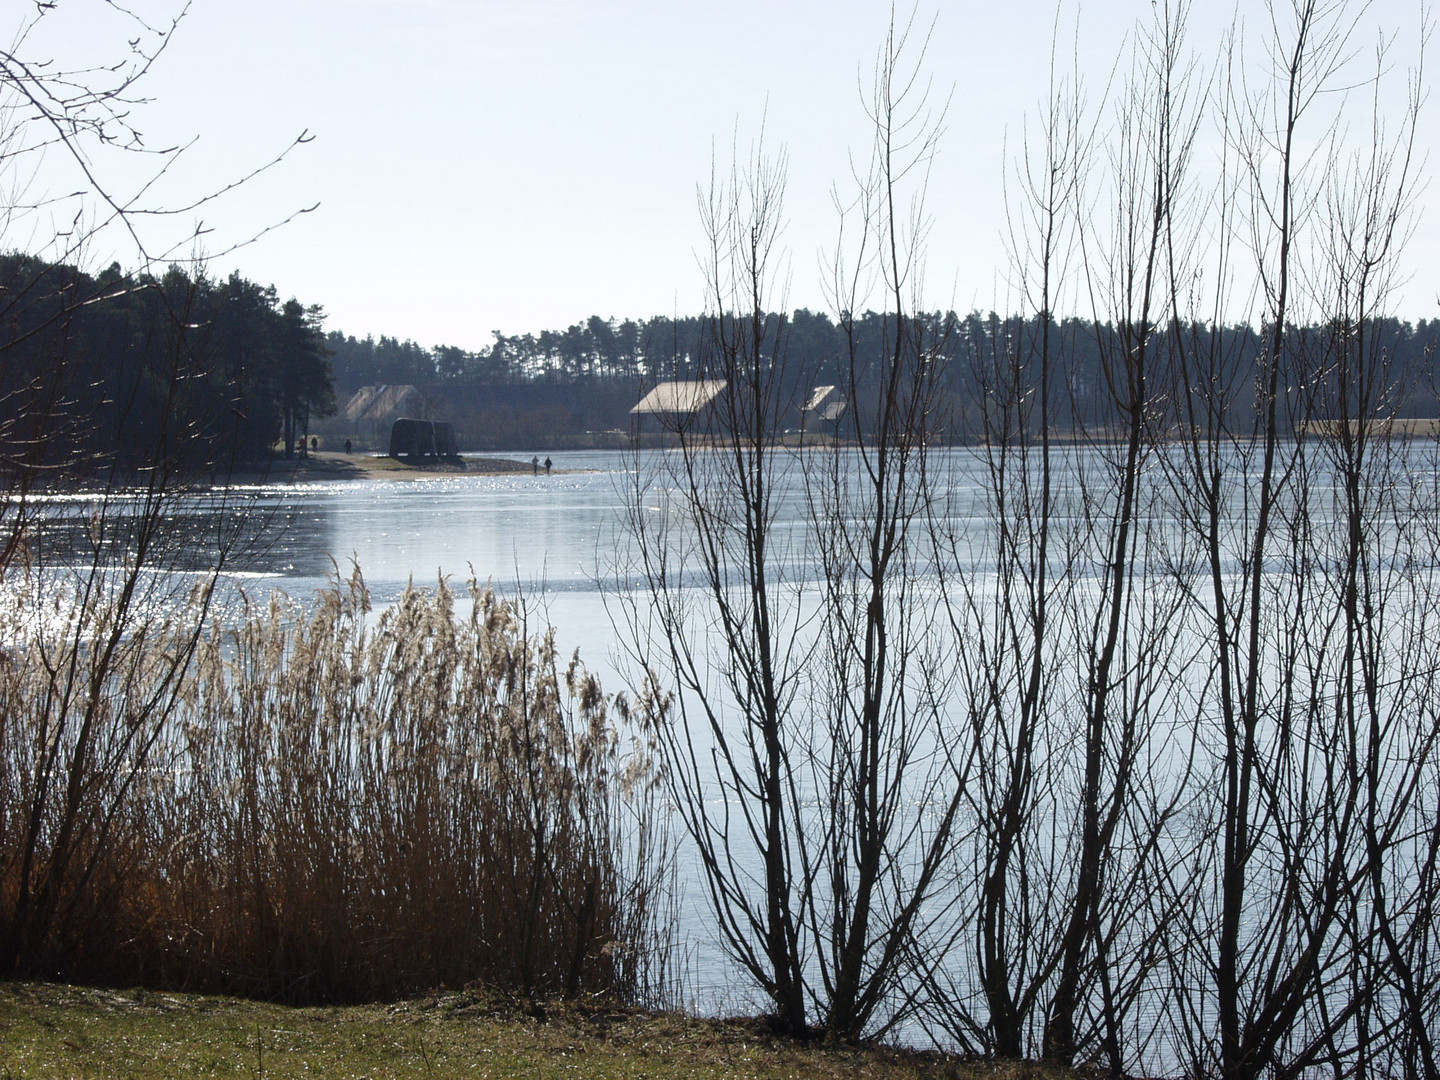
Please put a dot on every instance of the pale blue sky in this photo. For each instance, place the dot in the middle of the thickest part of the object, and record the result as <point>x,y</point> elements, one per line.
<point>518,166</point>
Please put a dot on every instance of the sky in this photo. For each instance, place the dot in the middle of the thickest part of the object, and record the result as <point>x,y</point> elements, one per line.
<point>478,166</point>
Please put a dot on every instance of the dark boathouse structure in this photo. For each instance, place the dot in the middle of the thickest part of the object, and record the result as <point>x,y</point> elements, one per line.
<point>422,439</point>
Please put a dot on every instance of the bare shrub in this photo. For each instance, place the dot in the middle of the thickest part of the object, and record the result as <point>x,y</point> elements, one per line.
<point>808,760</point>
<point>1180,661</point>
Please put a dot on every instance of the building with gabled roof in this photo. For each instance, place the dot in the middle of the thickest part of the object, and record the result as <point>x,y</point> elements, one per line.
<point>367,418</point>
<point>678,404</point>
<point>825,404</point>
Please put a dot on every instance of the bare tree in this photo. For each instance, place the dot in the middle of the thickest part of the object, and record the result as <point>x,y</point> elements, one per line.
<point>723,610</point>
<point>1068,633</point>
<point>890,781</point>
<point>1127,661</point>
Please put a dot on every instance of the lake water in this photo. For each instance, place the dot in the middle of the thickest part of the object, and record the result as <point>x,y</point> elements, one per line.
<point>548,538</point>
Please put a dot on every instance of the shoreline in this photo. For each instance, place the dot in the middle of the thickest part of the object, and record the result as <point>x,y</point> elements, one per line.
<point>323,465</point>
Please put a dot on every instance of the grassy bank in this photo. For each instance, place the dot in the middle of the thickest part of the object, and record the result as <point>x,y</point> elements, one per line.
<point>63,1031</point>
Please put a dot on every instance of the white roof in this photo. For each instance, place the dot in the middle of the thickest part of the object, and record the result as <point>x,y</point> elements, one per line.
<point>825,403</point>
<point>379,402</point>
<point>817,398</point>
<point>686,396</point>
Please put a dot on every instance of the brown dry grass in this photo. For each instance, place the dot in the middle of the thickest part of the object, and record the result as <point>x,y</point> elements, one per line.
<point>53,1031</point>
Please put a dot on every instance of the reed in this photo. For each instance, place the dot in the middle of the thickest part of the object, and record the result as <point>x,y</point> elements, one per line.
<point>348,805</point>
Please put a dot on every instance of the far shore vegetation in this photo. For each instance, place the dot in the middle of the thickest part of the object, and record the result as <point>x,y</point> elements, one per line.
<point>268,378</point>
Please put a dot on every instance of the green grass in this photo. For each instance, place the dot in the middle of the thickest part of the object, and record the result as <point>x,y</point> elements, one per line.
<point>59,1032</point>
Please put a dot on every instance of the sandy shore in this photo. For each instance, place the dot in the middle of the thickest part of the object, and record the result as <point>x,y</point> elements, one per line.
<point>322,465</point>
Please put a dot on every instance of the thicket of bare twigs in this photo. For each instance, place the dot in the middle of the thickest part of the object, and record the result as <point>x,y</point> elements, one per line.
<point>1112,737</point>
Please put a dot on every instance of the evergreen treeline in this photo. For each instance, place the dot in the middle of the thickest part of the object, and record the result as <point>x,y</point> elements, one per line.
<point>120,370</point>
<point>557,385</point>
<point>95,366</point>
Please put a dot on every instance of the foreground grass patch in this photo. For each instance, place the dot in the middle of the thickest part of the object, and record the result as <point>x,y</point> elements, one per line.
<point>54,1031</point>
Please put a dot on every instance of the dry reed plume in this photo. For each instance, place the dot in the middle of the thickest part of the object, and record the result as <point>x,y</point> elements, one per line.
<point>337,805</point>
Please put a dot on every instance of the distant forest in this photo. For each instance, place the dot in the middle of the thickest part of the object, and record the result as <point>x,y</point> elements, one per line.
<point>565,388</point>
<point>94,366</point>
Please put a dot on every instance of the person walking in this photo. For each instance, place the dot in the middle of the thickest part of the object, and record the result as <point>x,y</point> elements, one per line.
<point>547,466</point>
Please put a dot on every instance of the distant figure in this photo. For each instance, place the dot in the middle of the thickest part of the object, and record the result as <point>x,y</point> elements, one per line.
<point>547,466</point>
<point>347,447</point>
<point>535,465</point>
<point>314,442</point>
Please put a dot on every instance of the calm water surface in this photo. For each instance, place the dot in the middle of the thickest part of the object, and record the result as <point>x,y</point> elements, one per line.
<point>551,539</point>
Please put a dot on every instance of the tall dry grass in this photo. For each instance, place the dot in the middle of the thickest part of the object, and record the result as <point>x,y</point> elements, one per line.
<point>343,805</point>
